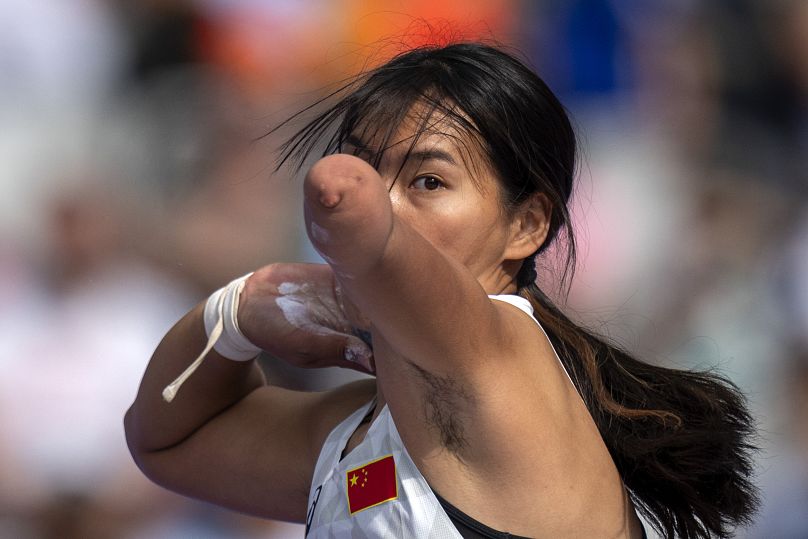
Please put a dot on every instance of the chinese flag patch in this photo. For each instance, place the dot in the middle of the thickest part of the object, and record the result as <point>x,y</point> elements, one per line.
<point>371,484</point>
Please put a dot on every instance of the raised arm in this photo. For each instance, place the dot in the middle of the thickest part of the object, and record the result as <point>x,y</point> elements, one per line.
<point>227,437</point>
<point>418,298</point>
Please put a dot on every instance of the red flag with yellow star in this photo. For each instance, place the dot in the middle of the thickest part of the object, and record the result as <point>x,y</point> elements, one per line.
<point>371,484</point>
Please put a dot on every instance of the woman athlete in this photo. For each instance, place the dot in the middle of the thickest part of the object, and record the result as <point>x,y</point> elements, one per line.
<point>446,172</point>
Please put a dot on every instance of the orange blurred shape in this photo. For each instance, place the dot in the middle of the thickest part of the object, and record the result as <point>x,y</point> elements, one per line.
<point>324,41</point>
<point>385,28</point>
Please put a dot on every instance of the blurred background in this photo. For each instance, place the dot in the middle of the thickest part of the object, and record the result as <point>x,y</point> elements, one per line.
<point>135,179</point>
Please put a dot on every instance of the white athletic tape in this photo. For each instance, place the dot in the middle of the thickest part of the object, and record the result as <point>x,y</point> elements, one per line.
<point>224,335</point>
<point>223,306</point>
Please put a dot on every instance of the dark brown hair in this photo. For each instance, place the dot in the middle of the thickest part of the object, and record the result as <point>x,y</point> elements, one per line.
<point>681,440</point>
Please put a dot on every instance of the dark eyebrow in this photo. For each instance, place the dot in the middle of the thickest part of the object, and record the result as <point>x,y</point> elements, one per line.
<point>417,155</point>
<point>436,154</point>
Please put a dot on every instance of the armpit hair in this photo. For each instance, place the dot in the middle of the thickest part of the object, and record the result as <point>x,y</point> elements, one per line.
<point>444,397</point>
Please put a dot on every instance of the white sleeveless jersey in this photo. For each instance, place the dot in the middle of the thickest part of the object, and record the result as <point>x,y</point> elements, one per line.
<point>376,490</point>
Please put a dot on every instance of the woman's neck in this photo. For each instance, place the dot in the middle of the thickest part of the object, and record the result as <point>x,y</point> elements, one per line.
<point>381,402</point>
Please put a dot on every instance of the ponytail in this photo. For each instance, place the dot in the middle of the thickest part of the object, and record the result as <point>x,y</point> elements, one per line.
<point>680,439</point>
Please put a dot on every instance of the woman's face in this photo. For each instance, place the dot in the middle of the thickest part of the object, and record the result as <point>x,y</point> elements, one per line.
<point>444,189</point>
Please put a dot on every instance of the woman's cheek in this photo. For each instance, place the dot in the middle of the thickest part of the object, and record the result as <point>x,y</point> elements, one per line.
<point>450,222</point>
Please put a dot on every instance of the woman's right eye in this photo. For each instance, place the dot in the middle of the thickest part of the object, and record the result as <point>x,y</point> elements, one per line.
<point>427,183</point>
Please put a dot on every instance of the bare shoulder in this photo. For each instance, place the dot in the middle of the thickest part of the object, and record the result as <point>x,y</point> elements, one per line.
<point>510,425</point>
<point>519,347</point>
<point>522,384</point>
<point>513,383</point>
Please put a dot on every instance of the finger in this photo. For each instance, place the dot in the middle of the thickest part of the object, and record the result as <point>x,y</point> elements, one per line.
<point>329,348</point>
<point>358,352</point>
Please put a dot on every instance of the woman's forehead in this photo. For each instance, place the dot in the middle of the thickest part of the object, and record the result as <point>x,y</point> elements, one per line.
<point>443,133</point>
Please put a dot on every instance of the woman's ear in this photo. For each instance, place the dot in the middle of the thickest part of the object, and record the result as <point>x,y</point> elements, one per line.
<point>530,226</point>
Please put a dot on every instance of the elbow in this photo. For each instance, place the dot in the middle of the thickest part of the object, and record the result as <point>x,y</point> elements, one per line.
<point>133,438</point>
<point>136,441</point>
<point>145,459</point>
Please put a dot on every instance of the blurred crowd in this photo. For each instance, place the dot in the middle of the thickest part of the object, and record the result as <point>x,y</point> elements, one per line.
<point>137,176</point>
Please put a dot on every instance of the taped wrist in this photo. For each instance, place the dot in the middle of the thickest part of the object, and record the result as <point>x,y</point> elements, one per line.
<point>222,307</point>
<point>224,335</point>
